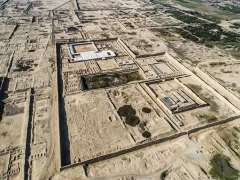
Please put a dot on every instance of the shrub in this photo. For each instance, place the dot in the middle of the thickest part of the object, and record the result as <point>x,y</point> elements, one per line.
<point>222,169</point>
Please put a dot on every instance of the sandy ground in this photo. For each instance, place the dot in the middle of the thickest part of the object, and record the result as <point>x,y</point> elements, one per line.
<point>183,158</point>
<point>95,123</point>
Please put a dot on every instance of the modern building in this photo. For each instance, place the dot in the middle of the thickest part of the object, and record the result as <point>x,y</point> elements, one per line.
<point>88,51</point>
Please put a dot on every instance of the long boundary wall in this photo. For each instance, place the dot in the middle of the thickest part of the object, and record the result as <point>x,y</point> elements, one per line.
<point>218,87</point>
<point>151,143</point>
<point>206,84</point>
<point>121,152</point>
<point>146,144</point>
<point>57,106</point>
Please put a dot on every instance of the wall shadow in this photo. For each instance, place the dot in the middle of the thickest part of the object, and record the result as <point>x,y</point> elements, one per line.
<point>64,138</point>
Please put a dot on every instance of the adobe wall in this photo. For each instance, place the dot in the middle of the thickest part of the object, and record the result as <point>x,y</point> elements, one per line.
<point>211,85</point>
<point>190,92</point>
<point>220,89</point>
<point>121,152</point>
<point>57,107</point>
<point>124,46</point>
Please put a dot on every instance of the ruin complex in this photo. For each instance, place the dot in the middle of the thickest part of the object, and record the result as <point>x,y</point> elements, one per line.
<point>115,90</point>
